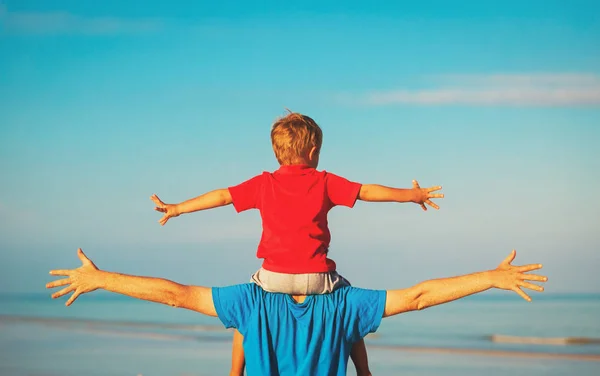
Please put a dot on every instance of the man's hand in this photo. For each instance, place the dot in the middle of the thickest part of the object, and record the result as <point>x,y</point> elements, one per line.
<point>510,277</point>
<point>80,280</point>
<point>423,195</point>
<point>443,290</point>
<point>170,210</point>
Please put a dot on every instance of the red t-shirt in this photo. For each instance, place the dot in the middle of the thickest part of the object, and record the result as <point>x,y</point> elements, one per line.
<point>293,203</point>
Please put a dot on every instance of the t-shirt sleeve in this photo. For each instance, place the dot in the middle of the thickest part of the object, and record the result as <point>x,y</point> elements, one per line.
<point>341,191</point>
<point>247,194</point>
<point>363,311</point>
<point>235,304</point>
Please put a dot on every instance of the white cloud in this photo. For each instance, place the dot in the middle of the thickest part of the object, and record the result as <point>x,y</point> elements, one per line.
<point>552,90</point>
<point>67,23</point>
<point>544,79</point>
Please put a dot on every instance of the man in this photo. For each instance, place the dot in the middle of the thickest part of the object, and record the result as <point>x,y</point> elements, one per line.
<point>297,335</point>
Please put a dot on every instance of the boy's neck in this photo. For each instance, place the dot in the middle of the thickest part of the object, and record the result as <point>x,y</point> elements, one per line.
<point>300,163</point>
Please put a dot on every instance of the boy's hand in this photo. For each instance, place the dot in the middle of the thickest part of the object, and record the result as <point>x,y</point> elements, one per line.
<point>423,195</point>
<point>510,277</point>
<point>170,210</point>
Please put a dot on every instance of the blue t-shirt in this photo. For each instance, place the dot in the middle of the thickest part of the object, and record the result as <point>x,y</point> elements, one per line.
<point>282,337</point>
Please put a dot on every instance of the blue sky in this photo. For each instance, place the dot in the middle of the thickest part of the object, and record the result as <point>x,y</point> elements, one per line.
<point>104,104</point>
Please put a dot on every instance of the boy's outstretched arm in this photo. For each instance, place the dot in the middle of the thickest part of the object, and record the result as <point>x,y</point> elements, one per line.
<point>416,194</point>
<point>88,278</point>
<point>210,200</point>
<point>439,291</point>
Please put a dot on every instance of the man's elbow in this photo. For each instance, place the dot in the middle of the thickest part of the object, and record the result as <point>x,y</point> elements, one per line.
<point>420,298</point>
<point>177,296</point>
<point>407,300</point>
<point>421,305</point>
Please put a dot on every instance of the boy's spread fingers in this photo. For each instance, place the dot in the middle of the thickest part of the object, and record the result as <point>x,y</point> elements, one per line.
<point>430,203</point>
<point>437,188</point>
<point>436,195</point>
<point>424,207</point>
<point>156,200</point>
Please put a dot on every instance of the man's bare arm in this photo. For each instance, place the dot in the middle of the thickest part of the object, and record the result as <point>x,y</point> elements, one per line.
<point>416,194</point>
<point>439,291</point>
<point>88,278</point>
<point>210,200</point>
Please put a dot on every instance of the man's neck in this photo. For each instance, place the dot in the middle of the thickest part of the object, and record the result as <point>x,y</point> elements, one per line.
<point>299,298</point>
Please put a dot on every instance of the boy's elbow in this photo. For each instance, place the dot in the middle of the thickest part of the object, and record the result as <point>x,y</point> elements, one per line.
<point>225,197</point>
<point>363,193</point>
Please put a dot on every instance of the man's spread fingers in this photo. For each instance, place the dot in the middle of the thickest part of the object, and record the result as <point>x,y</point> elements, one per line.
<point>522,294</point>
<point>531,286</point>
<point>60,272</point>
<point>534,277</point>
<point>72,298</point>
<point>60,282</point>
<point>62,292</point>
<point>436,188</point>
<point>436,195</point>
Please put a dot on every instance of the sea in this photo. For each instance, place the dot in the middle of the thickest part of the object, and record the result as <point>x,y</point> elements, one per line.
<point>488,334</point>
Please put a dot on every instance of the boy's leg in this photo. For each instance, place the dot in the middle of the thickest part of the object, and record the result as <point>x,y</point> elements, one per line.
<point>238,360</point>
<point>358,353</point>
<point>298,284</point>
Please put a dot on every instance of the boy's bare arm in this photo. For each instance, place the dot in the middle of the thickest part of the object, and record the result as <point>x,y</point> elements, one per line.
<point>210,200</point>
<point>416,194</point>
<point>439,291</point>
<point>88,278</point>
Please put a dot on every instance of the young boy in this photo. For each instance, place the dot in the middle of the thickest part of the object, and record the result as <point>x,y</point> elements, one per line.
<point>293,203</point>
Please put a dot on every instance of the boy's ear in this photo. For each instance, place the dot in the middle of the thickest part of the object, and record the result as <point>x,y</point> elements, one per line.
<point>314,152</point>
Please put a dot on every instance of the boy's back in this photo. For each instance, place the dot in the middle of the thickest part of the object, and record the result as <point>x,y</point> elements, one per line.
<point>294,202</point>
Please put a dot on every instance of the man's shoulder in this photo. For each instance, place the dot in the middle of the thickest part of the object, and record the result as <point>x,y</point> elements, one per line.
<point>351,295</point>
<point>244,290</point>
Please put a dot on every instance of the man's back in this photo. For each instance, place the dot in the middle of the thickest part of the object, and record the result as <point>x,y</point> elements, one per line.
<point>282,337</point>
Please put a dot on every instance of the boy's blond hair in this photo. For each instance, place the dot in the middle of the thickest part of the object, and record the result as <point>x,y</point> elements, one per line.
<point>293,136</point>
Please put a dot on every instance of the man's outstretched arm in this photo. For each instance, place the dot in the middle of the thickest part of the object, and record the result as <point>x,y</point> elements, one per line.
<point>88,278</point>
<point>439,291</point>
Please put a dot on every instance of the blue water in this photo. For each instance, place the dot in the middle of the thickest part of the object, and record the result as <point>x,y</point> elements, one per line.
<point>105,334</point>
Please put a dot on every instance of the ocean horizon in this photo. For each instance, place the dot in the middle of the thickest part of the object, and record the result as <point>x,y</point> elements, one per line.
<point>108,334</point>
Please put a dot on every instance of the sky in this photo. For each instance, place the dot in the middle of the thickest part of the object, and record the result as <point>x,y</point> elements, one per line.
<point>103,104</point>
